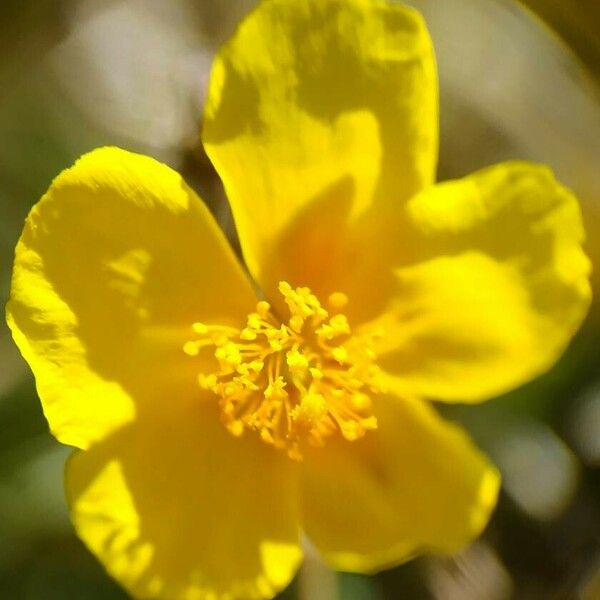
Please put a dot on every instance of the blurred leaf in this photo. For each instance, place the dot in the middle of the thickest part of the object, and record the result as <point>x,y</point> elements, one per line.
<point>358,587</point>
<point>22,420</point>
<point>29,28</point>
<point>57,569</point>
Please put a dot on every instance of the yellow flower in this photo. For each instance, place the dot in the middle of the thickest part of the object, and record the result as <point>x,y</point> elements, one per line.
<point>214,422</point>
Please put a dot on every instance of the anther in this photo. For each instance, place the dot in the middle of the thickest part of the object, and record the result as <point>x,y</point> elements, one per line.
<point>293,383</point>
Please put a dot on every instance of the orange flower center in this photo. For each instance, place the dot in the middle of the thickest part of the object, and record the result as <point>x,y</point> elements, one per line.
<point>296,382</point>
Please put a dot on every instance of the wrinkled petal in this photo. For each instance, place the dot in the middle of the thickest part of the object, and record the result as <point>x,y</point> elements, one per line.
<point>319,106</point>
<point>115,263</point>
<point>476,285</point>
<point>416,484</point>
<point>181,509</point>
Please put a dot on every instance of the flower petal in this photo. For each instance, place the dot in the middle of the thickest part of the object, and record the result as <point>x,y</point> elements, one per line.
<point>414,485</point>
<point>480,283</point>
<point>182,509</point>
<point>115,263</point>
<point>476,285</point>
<point>310,96</point>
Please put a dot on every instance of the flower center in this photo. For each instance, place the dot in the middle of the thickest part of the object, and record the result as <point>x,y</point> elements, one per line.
<point>296,382</point>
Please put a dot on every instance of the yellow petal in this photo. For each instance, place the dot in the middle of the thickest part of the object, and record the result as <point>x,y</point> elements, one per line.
<point>416,484</point>
<point>115,263</point>
<point>480,282</point>
<point>181,509</point>
<point>319,106</point>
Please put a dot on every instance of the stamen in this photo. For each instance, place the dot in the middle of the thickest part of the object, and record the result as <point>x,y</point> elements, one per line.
<point>293,383</point>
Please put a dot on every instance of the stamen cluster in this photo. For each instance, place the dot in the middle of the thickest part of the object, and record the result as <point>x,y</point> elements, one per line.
<point>297,382</point>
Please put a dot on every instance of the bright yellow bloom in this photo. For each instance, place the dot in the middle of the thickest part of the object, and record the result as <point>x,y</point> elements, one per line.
<point>216,423</point>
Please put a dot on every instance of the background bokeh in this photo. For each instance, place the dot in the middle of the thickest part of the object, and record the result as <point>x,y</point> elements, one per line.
<point>515,82</point>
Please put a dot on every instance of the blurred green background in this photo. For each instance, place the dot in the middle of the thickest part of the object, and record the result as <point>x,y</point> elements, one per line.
<point>515,83</point>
